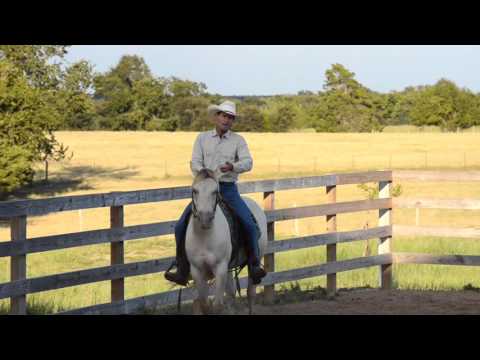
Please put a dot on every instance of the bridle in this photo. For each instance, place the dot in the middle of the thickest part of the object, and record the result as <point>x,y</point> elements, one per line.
<point>218,198</point>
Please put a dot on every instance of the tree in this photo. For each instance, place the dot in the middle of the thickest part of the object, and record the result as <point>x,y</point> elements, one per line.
<point>115,94</point>
<point>346,105</point>
<point>184,88</point>
<point>461,101</point>
<point>445,105</point>
<point>131,68</point>
<point>40,64</point>
<point>26,130</point>
<point>251,119</point>
<point>305,93</point>
<point>77,103</point>
<point>282,119</point>
<point>401,104</point>
<point>149,95</point>
<point>15,168</point>
<point>191,113</point>
<point>24,114</point>
<point>31,107</point>
<point>338,78</point>
<point>430,110</point>
<point>188,104</point>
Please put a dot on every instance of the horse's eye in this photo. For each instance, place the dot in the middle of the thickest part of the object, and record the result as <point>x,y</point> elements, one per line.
<point>195,191</point>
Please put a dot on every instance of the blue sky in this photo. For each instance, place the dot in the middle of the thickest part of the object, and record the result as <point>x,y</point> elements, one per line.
<point>282,69</point>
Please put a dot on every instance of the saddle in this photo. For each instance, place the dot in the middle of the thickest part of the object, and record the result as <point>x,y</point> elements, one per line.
<point>238,235</point>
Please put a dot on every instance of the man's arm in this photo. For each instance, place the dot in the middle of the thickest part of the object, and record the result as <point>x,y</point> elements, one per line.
<point>197,157</point>
<point>245,161</point>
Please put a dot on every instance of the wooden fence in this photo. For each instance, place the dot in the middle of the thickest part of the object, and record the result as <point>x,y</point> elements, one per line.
<point>19,246</point>
<point>440,231</point>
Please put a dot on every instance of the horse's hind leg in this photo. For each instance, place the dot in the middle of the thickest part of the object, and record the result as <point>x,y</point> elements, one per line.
<point>251,293</point>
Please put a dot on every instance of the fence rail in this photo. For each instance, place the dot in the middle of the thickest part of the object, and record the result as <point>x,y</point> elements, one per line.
<point>171,297</point>
<point>13,208</point>
<point>457,204</point>
<point>441,231</point>
<point>17,249</point>
<point>457,176</point>
<point>28,286</point>
<point>18,211</point>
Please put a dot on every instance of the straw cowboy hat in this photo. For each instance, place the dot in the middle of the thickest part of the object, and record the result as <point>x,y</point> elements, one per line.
<point>227,107</point>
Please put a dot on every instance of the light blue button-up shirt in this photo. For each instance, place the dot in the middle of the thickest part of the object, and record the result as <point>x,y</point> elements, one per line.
<point>211,151</point>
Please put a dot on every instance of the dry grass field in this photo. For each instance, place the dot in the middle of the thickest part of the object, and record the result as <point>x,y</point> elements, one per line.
<point>121,161</point>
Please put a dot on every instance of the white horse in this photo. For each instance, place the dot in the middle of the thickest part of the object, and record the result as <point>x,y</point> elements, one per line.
<point>208,244</point>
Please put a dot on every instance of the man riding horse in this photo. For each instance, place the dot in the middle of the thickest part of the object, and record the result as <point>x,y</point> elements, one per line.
<point>225,149</point>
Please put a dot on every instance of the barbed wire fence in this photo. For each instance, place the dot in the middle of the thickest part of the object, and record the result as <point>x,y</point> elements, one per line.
<point>419,160</point>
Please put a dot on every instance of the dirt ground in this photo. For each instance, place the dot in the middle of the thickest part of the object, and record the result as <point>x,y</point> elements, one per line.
<point>378,302</point>
<point>363,301</point>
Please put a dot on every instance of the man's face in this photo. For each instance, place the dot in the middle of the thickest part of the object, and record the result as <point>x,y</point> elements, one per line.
<point>224,121</point>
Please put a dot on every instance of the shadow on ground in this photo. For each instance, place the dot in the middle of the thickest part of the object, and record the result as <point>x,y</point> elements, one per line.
<point>103,172</point>
<point>71,179</point>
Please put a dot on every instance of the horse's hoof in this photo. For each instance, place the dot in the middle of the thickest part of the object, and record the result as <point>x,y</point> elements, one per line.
<point>200,307</point>
<point>218,309</point>
<point>197,308</point>
<point>206,307</point>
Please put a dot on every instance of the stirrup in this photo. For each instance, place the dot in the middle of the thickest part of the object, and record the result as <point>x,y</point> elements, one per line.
<point>176,277</point>
<point>174,263</point>
<point>257,279</point>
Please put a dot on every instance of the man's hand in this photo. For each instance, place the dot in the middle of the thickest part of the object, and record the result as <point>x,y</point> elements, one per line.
<point>227,167</point>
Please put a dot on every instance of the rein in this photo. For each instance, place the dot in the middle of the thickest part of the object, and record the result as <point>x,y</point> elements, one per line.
<point>218,198</point>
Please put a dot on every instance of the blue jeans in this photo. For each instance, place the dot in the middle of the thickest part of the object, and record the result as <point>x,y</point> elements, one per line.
<point>231,196</point>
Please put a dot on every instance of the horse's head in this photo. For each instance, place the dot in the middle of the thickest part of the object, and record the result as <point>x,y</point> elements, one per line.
<point>205,196</point>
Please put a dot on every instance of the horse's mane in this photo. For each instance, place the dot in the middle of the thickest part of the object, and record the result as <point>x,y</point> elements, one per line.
<point>204,174</point>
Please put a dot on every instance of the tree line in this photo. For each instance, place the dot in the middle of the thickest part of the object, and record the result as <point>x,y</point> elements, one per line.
<point>41,93</point>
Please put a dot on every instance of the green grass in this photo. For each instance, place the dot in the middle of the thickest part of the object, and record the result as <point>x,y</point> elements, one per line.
<point>35,307</point>
<point>406,276</point>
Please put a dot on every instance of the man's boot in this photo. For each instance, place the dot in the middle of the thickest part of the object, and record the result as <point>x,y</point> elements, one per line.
<point>255,270</point>
<point>182,275</point>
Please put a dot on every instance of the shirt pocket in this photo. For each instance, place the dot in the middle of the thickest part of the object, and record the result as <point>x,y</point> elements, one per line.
<point>209,152</point>
<point>228,154</point>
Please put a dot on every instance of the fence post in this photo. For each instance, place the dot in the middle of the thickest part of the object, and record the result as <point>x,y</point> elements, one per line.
<point>332,248</point>
<point>385,243</point>
<point>18,264</point>
<point>117,254</point>
<point>269,260</point>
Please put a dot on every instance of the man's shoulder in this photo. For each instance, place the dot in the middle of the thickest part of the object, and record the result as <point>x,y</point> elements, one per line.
<point>236,136</point>
<point>203,134</point>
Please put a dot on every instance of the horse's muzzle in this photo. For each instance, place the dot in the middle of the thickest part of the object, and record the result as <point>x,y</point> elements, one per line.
<point>206,220</point>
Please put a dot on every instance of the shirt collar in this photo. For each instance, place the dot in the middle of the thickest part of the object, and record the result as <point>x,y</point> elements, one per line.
<point>226,135</point>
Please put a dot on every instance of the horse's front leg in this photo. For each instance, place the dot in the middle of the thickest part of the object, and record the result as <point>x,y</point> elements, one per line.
<point>251,293</point>
<point>221,272</point>
<point>200,305</point>
<point>230,287</point>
